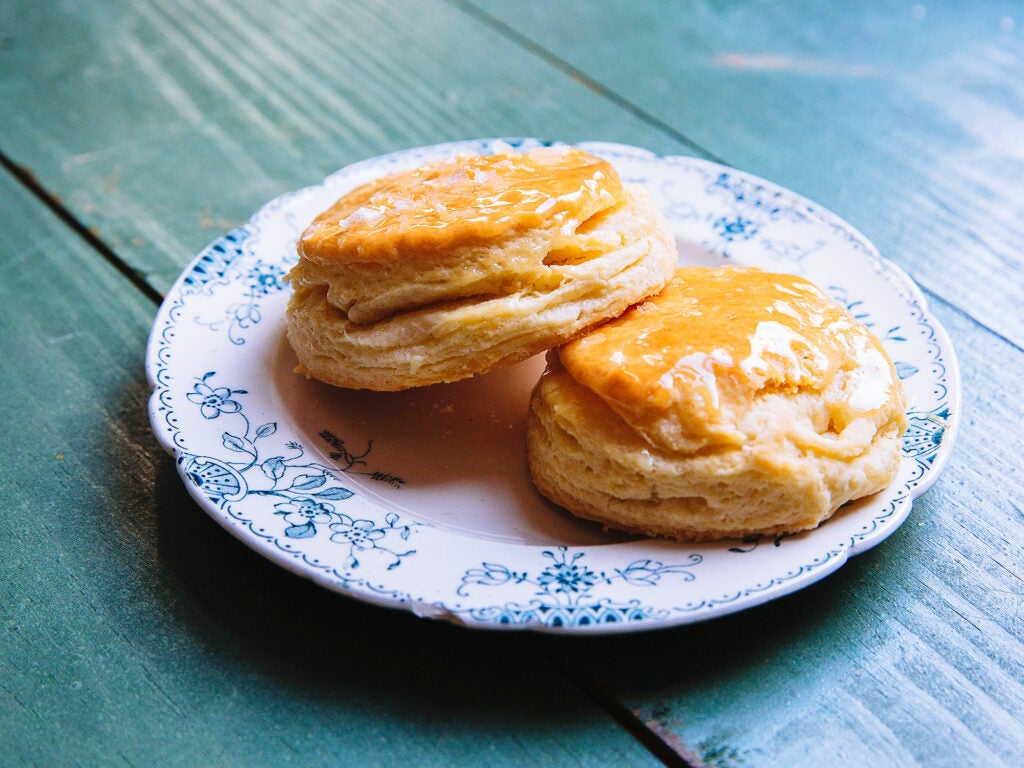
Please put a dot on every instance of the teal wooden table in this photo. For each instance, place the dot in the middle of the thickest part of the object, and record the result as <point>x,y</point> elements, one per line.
<point>134,630</point>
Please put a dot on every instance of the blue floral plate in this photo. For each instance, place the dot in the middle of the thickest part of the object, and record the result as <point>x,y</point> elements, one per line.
<point>421,500</point>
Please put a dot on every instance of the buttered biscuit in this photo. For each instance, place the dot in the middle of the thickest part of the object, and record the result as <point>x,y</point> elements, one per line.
<point>735,402</point>
<point>461,266</point>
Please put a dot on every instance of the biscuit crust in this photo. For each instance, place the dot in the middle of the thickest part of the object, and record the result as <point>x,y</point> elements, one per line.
<point>734,403</point>
<point>407,283</point>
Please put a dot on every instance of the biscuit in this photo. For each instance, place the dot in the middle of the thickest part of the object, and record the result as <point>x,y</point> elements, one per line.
<point>455,268</point>
<point>736,402</point>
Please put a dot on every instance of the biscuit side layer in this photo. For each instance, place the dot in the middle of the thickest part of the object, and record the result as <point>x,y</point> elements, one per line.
<point>475,308</point>
<point>584,457</point>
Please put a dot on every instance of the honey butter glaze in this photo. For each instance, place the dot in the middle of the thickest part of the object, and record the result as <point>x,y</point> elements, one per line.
<point>687,366</point>
<point>461,201</point>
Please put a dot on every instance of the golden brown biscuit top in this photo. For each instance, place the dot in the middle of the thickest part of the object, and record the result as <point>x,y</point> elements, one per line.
<point>464,200</point>
<point>680,368</point>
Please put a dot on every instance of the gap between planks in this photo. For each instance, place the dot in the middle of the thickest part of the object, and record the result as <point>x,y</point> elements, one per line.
<point>28,180</point>
<point>593,689</point>
<point>601,695</point>
<point>581,77</point>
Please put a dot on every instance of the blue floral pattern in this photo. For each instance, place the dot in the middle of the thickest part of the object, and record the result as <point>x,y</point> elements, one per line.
<point>213,402</point>
<point>321,518</point>
<point>925,433</point>
<point>309,490</point>
<point>260,280</point>
<point>735,228</point>
<point>567,590</point>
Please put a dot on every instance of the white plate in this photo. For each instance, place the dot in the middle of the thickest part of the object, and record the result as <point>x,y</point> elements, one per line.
<point>421,500</point>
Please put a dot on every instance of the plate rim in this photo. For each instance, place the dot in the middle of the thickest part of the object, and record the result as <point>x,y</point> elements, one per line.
<point>779,586</point>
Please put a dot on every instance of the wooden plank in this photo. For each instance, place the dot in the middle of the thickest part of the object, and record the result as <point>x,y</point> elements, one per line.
<point>134,630</point>
<point>907,120</point>
<point>160,125</point>
<point>910,654</point>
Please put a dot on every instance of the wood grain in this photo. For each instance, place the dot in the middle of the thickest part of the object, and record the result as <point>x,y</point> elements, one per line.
<point>911,654</point>
<point>161,125</point>
<point>134,630</point>
<point>907,120</point>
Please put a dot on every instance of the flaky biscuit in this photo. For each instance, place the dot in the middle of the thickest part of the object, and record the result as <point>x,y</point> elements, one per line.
<point>736,402</point>
<point>456,268</point>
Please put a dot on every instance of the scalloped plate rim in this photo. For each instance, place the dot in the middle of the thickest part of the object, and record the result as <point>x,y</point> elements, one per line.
<point>778,586</point>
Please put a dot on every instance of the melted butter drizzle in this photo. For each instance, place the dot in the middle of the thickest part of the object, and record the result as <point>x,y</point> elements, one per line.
<point>715,337</point>
<point>467,199</point>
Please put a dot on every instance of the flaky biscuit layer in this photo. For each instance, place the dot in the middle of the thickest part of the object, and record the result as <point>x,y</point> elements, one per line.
<point>462,311</point>
<point>771,427</point>
<point>585,458</point>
